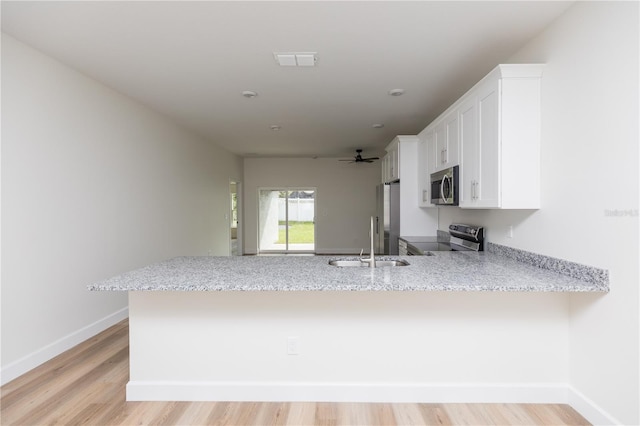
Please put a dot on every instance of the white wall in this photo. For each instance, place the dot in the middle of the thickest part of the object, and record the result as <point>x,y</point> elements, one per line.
<point>354,346</point>
<point>345,198</point>
<point>589,167</point>
<point>93,184</point>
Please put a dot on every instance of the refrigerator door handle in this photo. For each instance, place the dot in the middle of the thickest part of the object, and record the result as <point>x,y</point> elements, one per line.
<point>377,225</point>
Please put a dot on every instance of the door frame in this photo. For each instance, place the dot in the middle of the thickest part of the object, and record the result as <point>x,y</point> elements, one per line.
<point>239,245</point>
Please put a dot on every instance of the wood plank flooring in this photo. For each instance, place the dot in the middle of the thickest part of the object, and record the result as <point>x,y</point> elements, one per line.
<point>86,386</point>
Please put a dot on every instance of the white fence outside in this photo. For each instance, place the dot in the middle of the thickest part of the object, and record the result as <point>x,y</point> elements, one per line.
<point>300,209</point>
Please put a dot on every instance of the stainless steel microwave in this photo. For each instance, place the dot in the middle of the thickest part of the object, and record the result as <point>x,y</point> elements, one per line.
<point>445,187</point>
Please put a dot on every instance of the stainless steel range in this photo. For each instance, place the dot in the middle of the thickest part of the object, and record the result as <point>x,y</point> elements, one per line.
<point>459,238</point>
<point>419,246</point>
<point>466,237</point>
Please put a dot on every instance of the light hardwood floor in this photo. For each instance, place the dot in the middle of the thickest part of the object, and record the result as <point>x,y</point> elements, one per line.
<point>86,385</point>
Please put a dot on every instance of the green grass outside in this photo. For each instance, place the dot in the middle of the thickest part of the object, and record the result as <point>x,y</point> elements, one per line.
<point>299,233</point>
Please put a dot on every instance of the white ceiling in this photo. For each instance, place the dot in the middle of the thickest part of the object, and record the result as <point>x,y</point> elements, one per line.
<point>191,61</point>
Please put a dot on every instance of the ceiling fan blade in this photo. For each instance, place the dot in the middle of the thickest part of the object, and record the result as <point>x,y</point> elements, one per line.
<point>358,158</point>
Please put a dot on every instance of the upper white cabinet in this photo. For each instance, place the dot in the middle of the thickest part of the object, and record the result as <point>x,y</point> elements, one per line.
<point>500,140</point>
<point>426,165</point>
<point>446,141</point>
<point>391,161</point>
<point>385,169</point>
<point>413,219</point>
<point>493,133</point>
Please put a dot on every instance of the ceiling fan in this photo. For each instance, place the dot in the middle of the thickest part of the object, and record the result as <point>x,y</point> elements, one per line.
<point>358,158</point>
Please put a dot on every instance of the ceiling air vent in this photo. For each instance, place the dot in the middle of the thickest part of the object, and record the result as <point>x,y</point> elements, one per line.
<point>296,59</point>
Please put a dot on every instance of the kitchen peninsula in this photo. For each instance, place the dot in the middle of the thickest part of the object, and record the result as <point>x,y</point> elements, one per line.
<point>448,327</point>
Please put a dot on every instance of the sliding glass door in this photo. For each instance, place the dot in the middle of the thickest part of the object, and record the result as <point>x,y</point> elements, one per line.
<point>286,220</point>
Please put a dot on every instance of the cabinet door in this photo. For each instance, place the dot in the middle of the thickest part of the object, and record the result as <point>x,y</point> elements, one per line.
<point>487,191</point>
<point>426,151</point>
<point>395,162</point>
<point>469,161</point>
<point>440,144</point>
<point>446,141</point>
<point>451,147</point>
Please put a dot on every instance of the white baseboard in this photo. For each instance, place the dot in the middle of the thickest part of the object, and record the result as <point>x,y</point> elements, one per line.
<point>346,392</point>
<point>589,409</point>
<point>34,359</point>
<point>530,393</point>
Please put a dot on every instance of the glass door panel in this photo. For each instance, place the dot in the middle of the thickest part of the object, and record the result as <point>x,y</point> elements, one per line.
<point>301,220</point>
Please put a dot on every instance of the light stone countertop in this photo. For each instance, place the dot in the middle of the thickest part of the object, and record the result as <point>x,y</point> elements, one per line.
<point>444,271</point>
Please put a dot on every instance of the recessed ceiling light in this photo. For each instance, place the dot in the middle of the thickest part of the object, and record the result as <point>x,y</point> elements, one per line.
<point>249,94</point>
<point>275,127</point>
<point>396,92</point>
<point>377,126</point>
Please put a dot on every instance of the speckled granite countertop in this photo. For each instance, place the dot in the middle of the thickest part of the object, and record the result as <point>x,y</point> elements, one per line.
<point>444,271</point>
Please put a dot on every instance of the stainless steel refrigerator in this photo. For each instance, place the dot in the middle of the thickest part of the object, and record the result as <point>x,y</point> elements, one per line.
<point>387,218</point>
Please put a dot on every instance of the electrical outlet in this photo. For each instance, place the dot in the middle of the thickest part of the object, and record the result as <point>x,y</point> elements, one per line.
<point>293,345</point>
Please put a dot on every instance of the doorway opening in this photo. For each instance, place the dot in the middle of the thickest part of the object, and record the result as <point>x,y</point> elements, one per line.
<point>286,220</point>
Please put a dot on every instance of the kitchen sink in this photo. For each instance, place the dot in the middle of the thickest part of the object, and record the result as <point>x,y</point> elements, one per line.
<point>360,264</point>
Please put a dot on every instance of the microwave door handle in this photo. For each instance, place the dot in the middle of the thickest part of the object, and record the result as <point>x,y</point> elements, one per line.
<point>442,189</point>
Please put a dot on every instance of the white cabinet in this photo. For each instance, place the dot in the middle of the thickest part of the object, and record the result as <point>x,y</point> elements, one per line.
<point>493,134</point>
<point>437,150</point>
<point>468,174</point>
<point>426,165</point>
<point>413,219</point>
<point>393,160</point>
<point>500,140</point>
<point>385,169</point>
<point>446,141</point>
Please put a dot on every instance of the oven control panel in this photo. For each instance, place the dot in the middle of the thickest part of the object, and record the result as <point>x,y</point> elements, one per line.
<point>468,237</point>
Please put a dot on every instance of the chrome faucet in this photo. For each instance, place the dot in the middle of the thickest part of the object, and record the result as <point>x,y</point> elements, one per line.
<point>372,258</point>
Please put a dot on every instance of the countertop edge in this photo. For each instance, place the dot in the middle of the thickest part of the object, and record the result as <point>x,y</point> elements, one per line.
<point>508,270</point>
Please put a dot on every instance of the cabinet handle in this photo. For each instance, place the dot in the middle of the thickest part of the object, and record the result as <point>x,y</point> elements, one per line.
<point>473,190</point>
